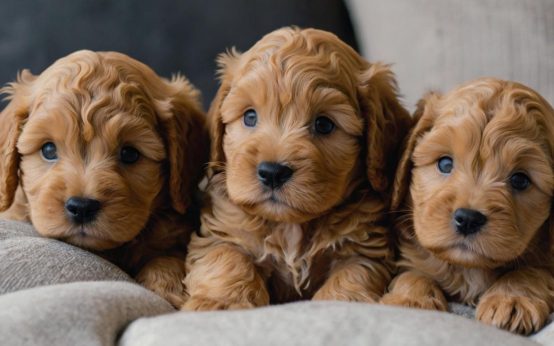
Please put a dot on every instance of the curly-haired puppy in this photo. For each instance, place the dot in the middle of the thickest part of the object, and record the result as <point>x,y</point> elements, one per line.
<point>475,224</point>
<point>304,135</point>
<point>100,152</point>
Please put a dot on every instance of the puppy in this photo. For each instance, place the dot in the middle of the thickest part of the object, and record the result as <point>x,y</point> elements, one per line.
<point>100,152</point>
<point>475,224</point>
<point>304,135</point>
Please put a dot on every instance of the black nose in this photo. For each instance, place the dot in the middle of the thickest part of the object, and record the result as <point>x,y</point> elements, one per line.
<point>468,221</point>
<point>273,174</point>
<point>82,210</point>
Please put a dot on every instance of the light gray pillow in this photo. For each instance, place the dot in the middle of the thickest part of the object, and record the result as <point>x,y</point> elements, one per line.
<point>437,44</point>
<point>29,260</point>
<point>79,313</point>
<point>316,323</point>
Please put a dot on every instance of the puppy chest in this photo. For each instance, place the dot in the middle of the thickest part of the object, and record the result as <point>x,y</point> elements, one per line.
<point>289,282</point>
<point>292,264</point>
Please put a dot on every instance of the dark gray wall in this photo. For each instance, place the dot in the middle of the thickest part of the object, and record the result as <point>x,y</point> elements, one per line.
<point>168,35</point>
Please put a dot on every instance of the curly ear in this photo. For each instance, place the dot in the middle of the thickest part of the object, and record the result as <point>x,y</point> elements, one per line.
<point>183,124</point>
<point>227,63</point>
<point>424,118</point>
<point>12,119</point>
<point>387,123</point>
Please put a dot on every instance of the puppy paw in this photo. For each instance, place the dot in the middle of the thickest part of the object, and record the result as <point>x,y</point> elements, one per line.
<point>347,296</point>
<point>196,303</point>
<point>431,302</point>
<point>163,275</point>
<point>517,314</point>
<point>173,292</point>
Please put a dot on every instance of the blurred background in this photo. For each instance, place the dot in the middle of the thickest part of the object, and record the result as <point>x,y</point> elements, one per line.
<point>432,44</point>
<point>168,35</point>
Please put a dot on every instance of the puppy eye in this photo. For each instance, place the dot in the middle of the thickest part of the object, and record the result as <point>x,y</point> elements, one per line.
<point>520,181</point>
<point>129,155</point>
<point>445,164</point>
<point>324,125</point>
<point>49,152</point>
<point>250,118</point>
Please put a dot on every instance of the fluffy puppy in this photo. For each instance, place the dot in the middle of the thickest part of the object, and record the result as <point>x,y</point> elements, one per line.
<point>304,135</point>
<point>100,152</point>
<point>474,191</point>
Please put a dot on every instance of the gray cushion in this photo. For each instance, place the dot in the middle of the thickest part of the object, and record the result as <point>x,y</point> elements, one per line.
<point>28,260</point>
<point>437,44</point>
<point>80,313</point>
<point>316,323</point>
<point>97,312</point>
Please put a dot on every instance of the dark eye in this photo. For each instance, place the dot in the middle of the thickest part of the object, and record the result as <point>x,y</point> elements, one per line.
<point>445,164</point>
<point>129,155</point>
<point>520,181</point>
<point>49,152</point>
<point>250,118</point>
<point>324,125</point>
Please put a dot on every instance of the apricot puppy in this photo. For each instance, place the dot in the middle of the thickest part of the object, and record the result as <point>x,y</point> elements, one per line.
<point>100,152</point>
<point>304,135</point>
<point>475,224</point>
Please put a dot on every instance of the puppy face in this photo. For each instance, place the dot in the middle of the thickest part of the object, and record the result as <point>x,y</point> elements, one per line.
<point>99,145</point>
<point>482,177</point>
<point>291,123</point>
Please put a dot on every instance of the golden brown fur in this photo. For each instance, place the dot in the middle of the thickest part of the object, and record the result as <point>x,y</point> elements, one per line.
<point>321,234</point>
<point>492,129</point>
<point>90,105</point>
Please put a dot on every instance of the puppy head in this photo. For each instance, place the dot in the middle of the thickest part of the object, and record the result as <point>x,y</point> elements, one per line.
<point>299,121</point>
<point>481,172</point>
<point>97,141</point>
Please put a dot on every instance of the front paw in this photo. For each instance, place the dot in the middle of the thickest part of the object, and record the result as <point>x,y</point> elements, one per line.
<point>197,303</point>
<point>348,296</point>
<point>517,314</point>
<point>430,302</point>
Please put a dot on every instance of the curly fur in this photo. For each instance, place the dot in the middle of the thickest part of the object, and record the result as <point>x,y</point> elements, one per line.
<point>491,129</point>
<point>90,104</point>
<point>322,234</point>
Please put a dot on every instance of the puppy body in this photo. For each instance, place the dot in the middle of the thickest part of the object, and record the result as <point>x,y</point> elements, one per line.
<point>104,129</point>
<point>497,134</point>
<point>320,234</point>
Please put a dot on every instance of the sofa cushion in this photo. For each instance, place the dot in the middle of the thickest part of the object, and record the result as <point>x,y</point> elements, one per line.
<point>79,313</point>
<point>437,44</point>
<point>316,323</point>
<point>28,260</point>
<point>85,304</point>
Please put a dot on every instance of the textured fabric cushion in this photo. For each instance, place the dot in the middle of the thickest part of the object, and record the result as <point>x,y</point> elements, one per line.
<point>80,313</point>
<point>546,335</point>
<point>28,260</point>
<point>97,312</point>
<point>437,44</point>
<point>316,323</point>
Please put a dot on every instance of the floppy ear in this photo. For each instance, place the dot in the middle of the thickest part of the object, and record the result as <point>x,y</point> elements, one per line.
<point>12,119</point>
<point>227,63</point>
<point>424,118</point>
<point>387,123</point>
<point>183,124</point>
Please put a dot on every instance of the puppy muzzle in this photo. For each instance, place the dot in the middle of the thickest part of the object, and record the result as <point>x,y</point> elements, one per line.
<point>273,174</point>
<point>468,221</point>
<point>82,210</point>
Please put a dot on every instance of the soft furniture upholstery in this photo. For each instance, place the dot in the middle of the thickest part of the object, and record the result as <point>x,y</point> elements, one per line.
<point>437,44</point>
<point>316,323</point>
<point>27,260</point>
<point>79,313</point>
<point>62,295</point>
